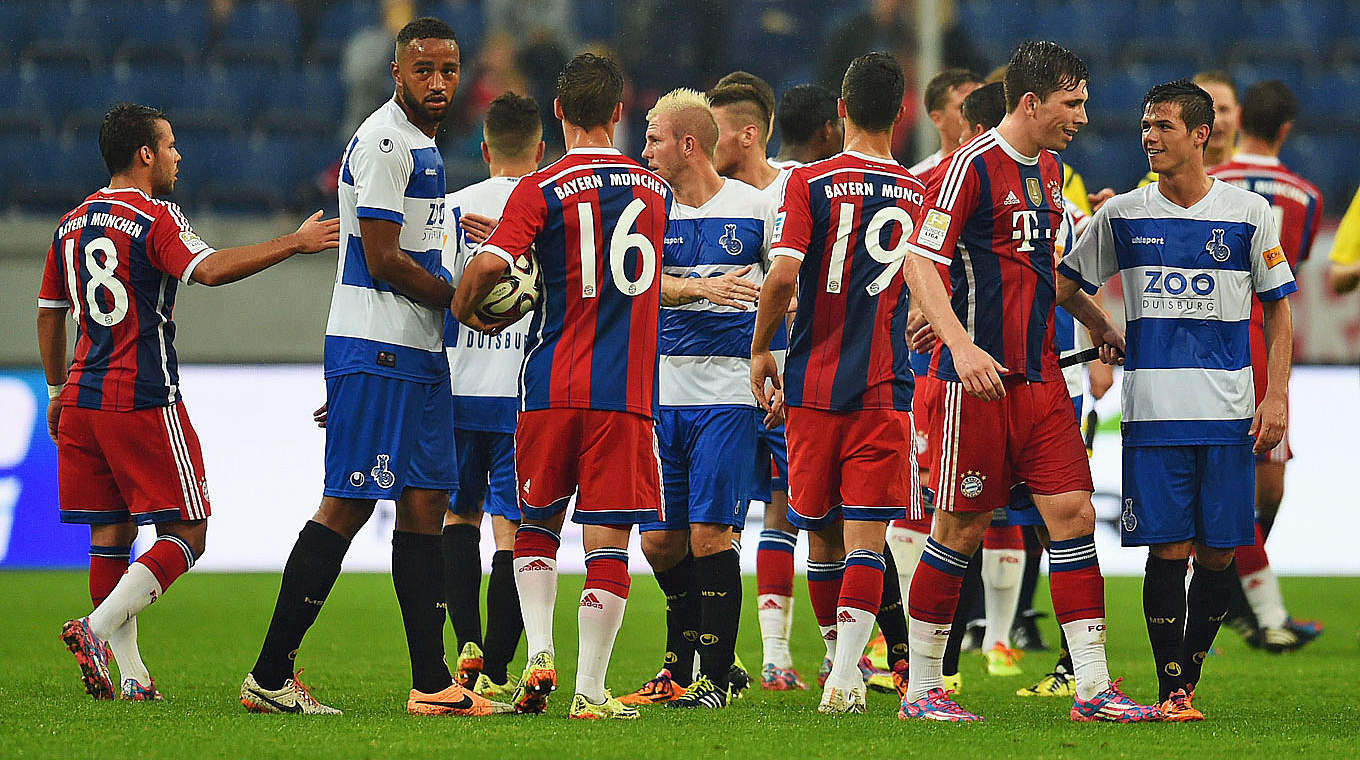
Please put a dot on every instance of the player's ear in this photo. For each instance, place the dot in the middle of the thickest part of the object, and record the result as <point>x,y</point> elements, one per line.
<point>486,153</point>
<point>538,154</point>
<point>557,108</point>
<point>396,75</point>
<point>618,113</point>
<point>147,154</point>
<point>1285,129</point>
<point>901,111</point>
<point>840,107</point>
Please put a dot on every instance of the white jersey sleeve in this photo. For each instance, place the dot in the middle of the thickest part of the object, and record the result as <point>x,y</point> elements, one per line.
<point>1271,277</point>
<point>1092,261</point>
<point>381,162</point>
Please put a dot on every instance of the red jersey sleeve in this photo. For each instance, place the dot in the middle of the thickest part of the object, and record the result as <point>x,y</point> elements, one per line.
<point>525,215</point>
<point>173,247</point>
<point>951,197</point>
<point>52,294</point>
<point>1306,245</point>
<point>793,224</point>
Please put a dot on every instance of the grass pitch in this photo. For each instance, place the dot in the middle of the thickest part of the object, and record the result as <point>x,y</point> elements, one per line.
<point>202,637</point>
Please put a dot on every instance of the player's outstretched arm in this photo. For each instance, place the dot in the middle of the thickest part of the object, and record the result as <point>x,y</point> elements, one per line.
<point>52,348</point>
<point>1344,277</point>
<point>232,264</point>
<point>728,289</point>
<point>775,294</point>
<point>1104,334</point>
<point>1272,416</point>
<point>479,277</point>
<point>979,372</point>
<point>387,262</point>
<point>476,227</point>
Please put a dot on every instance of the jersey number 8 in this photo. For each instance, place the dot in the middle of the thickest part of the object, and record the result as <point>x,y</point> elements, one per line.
<point>873,233</point>
<point>619,243</point>
<point>101,276</point>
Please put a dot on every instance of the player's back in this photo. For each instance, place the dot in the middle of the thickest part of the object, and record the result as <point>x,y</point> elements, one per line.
<point>114,261</point>
<point>484,369</point>
<point>848,218</point>
<point>596,221</point>
<point>1296,202</point>
<point>992,218</point>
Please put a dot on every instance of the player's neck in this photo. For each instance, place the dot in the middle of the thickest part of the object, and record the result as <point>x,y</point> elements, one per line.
<point>575,137</point>
<point>1258,147</point>
<point>1186,185</point>
<point>125,180</point>
<point>696,185</point>
<point>1013,132</point>
<point>512,168</point>
<point>755,170</point>
<point>427,128</point>
<point>876,144</point>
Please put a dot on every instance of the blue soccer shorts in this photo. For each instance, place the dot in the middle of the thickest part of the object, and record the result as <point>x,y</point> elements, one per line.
<point>771,471</point>
<point>384,434</point>
<point>706,454</point>
<point>486,474</point>
<point>1179,493</point>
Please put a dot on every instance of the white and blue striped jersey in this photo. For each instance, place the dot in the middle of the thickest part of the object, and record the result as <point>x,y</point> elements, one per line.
<point>779,344</point>
<point>390,171</point>
<point>1188,277</point>
<point>706,349</point>
<point>484,369</point>
<point>1069,335</point>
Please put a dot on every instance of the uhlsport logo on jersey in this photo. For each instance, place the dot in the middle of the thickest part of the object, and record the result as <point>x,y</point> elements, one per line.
<point>381,475</point>
<point>1216,248</point>
<point>729,240</point>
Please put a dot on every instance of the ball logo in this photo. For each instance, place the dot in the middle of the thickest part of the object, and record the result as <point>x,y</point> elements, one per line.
<point>385,145</point>
<point>708,639</point>
<point>1172,668</point>
<point>691,635</point>
<point>1216,248</point>
<point>971,485</point>
<point>1198,657</point>
<point>381,475</point>
<point>1127,519</point>
<point>357,479</point>
<point>729,241</point>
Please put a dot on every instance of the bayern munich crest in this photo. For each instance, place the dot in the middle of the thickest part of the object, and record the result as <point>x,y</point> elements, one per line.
<point>971,485</point>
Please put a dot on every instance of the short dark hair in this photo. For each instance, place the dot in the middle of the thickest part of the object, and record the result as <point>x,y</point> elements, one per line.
<point>588,89</point>
<point>425,28</point>
<point>763,89</point>
<point>513,125</point>
<point>1197,106</point>
<point>872,90</point>
<point>734,94</point>
<point>126,128</point>
<point>1042,68</point>
<point>804,110</point>
<point>937,90</point>
<point>985,106</point>
<point>1266,107</point>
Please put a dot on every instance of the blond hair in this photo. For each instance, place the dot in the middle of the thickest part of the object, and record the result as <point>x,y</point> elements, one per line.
<point>690,114</point>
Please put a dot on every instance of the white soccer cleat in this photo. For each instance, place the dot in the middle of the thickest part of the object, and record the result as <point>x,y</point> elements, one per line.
<point>839,701</point>
<point>294,697</point>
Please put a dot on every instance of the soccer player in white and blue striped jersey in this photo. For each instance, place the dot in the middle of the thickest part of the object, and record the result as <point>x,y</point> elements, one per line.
<point>1192,251</point>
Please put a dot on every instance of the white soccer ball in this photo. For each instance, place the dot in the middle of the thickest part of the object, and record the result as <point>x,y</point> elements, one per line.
<point>515,294</point>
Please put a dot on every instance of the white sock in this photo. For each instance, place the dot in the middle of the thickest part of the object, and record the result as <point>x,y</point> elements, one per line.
<point>1002,570</point>
<point>123,644</point>
<point>135,591</point>
<point>927,642</point>
<point>829,639</point>
<point>1086,644</point>
<point>599,618</point>
<point>854,627</point>
<point>1263,594</point>
<point>537,589</point>
<point>906,546</point>
<point>775,614</point>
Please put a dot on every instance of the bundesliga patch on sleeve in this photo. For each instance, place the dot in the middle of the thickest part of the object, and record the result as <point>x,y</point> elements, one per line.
<point>779,226</point>
<point>934,229</point>
<point>1274,256</point>
<point>192,242</point>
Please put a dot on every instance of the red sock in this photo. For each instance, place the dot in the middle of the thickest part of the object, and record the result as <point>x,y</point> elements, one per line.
<point>1074,579</point>
<point>824,589</point>
<point>934,593</point>
<point>107,565</point>
<point>168,559</point>
<point>1003,537</point>
<point>774,563</point>
<point>533,541</point>
<point>862,583</point>
<point>1251,559</point>
<point>607,570</point>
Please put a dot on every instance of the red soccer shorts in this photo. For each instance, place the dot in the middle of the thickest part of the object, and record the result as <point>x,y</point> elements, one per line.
<point>608,459</point>
<point>857,465</point>
<point>925,403</point>
<point>982,447</point>
<point>143,465</point>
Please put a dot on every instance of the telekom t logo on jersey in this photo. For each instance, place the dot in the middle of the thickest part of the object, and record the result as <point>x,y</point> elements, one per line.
<point>1025,228</point>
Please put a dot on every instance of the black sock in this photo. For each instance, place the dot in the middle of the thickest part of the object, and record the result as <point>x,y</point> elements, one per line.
<point>463,581</point>
<point>1238,606</point>
<point>1030,580</point>
<point>415,561</point>
<point>892,619</point>
<point>1064,665</point>
<point>1266,523</point>
<point>308,577</point>
<point>1206,607</point>
<point>718,577</point>
<point>968,593</point>
<point>504,624</point>
<point>682,618</point>
<point>1164,611</point>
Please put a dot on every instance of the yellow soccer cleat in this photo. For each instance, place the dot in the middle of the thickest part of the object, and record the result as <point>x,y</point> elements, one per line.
<point>1003,661</point>
<point>539,680</point>
<point>470,663</point>
<point>954,684</point>
<point>1055,684</point>
<point>610,709</point>
<point>496,691</point>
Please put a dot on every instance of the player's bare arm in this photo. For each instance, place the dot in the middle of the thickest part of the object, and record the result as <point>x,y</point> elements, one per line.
<point>776,292</point>
<point>978,371</point>
<point>231,264</point>
<point>388,263</point>
<point>1104,334</point>
<point>1272,416</point>
<point>1344,278</point>
<point>728,289</point>
<point>479,277</point>
<point>476,227</point>
<point>52,347</point>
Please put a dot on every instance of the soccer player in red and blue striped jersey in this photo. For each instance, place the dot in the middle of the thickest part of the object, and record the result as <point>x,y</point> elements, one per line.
<point>595,221</point>
<point>1005,414</point>
<point>847,386</point>
<point>127,454</point>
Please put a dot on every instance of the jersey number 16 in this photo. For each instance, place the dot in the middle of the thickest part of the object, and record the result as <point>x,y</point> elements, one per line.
<point>619,243</point>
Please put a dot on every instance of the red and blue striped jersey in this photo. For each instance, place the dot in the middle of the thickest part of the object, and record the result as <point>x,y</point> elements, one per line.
<point>595,220</point>
<point>993,217</point>
<point>847,220</point>
<point>114,261</point>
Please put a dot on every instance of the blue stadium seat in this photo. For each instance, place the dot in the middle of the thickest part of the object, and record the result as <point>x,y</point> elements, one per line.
<point>997,26</point>
<point>258,21</point>
<point>1330,96</point>
<point>71,170</point>
<point>465,16</point>
<point>306,101</point>
<point>341,21</point>
<point>1291,74</point>
<point>166,21</point>
<point>26,92</point>
<point>596,20</point>
<point>1328,161</point>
